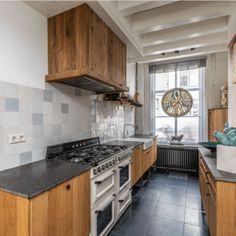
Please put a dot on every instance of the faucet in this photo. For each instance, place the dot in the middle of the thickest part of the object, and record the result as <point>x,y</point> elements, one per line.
<point>125,134</point>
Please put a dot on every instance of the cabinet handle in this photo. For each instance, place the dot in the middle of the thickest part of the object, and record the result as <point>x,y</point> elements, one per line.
<point>68,187</point>
<point>120,201</point>
<point>207,194</point>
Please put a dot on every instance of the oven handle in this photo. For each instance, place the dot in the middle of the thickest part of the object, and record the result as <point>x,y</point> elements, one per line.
<point>121,167</point>
<point>100,181</point>
<point>100,211</point>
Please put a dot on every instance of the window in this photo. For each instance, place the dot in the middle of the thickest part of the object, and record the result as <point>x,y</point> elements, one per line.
<point>187,77</point>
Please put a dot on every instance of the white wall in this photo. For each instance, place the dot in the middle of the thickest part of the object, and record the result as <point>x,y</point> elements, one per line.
<point>23,45</point>
<point>216,77</point>
<point>130,78</point>
<point>232,87</point>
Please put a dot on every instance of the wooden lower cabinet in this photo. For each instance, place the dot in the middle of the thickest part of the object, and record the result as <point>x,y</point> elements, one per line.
<point>136,164</point>
<point>142,160</point>
<point>63,210</point>
<point>219,202</point>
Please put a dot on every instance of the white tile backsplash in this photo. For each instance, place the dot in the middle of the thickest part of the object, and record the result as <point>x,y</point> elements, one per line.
<point>55,115</point>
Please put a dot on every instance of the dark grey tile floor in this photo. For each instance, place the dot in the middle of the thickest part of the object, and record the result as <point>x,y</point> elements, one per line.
<point>165,206</point>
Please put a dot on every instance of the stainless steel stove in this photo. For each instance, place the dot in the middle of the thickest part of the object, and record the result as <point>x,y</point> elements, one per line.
<point>110,178</point>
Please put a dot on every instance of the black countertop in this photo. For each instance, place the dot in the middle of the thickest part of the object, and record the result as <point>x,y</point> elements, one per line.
<point>129,144</point>
<point>32,179</point>
<point>143,136</point>
<point>210,159</point>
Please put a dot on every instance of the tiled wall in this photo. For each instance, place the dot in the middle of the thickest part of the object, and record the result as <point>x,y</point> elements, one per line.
<point>55,115</point>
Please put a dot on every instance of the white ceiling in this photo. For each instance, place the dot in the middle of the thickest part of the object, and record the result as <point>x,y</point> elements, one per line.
<point>154,30</point>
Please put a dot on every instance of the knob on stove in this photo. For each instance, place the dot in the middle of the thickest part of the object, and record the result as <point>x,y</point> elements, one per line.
<point>107,165</point>
<point>103,167</point>
<point>99,169</point>
<point>95,171</point>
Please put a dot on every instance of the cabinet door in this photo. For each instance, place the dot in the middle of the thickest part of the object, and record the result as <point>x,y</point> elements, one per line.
<point>64,210</point>
<point>98,63</point>
<point>116,60</point>
<point>136,165</point>
<point>211,213</point>
<point>153,154</point>
<point>217,119</point>
<point>203,189</point>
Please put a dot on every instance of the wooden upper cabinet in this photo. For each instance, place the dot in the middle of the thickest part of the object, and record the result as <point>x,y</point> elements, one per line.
<point>216,120</point>
<point>98,47</point>
<point>81,44</point>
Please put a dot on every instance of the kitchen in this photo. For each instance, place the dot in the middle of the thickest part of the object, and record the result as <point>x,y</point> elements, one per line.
<point>84,140</point>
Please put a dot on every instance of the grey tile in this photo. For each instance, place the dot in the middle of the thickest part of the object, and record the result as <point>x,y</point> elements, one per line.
<point>149,194</point>
<point>64,108</point>
<point>25,158</point>
<point>135,220</point>
<point>191,230</point>
<point>194,217</point>
<point>172,198</point>
<point>164,227</point>
<point>143,206</point>
<point>170,211</point>
<point>56,130</point>
<point>11,104</point>
<point>37,131</point>
<point>48,96</point>
<point>37,118</point>
<point>193,202</point>
<point>78,92</point>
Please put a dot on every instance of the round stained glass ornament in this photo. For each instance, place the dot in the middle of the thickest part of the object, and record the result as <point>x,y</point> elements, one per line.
<point>177,102</point>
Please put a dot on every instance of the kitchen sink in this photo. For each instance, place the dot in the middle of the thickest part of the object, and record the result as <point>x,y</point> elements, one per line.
<point>147,142</point>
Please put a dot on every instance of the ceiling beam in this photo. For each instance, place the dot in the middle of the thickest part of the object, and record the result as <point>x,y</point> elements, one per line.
<point>185,53</point>
<point>131,7</point>
<point>107,10</point>
<point>186,31</point>
<point>191,43</point>
<point>179,13</point>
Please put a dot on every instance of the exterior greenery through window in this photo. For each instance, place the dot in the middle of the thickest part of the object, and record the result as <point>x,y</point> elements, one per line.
<point>189,75</point>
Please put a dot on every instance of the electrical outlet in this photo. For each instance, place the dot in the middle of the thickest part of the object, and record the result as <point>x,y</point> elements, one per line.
<point>17,138</point>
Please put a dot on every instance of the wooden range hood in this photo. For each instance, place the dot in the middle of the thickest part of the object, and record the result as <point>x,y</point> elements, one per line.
<point>84,52</point>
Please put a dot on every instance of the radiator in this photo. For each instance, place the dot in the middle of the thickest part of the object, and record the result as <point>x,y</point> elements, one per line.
<point>182,158</point>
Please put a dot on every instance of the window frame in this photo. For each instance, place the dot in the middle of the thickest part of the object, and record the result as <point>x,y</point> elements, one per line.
<point>202,105</point>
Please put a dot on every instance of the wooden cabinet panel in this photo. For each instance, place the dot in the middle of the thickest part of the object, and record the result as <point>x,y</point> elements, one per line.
<point>216,120</point>
<point>153,154</point>
<point>98,47</point>
<point>219,200</point>
<point>136,165</point>
<point>211,212</point>
<point>14,215</point>
<point>63,210</point>
<point>81,44</point>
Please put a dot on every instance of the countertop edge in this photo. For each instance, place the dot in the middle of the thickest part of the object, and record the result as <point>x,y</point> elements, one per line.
<point>30,196</point>
<point>210,161</point>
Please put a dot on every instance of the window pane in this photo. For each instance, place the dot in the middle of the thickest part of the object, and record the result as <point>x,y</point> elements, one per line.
<point>158,107</point>
<point>165,81</point>
<point>165,127</point>
<point>195,108</point>
<point>189,127</point>
<point>188,79</point>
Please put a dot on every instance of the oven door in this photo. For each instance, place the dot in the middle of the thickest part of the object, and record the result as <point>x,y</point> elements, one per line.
<point>103,216</point>
<point>123,201</point>
<point>124,174</point>
<point>102,184</point>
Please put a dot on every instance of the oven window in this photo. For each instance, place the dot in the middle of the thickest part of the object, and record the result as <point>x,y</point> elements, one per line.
<point>104,218</point>
<point>124,175</point>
